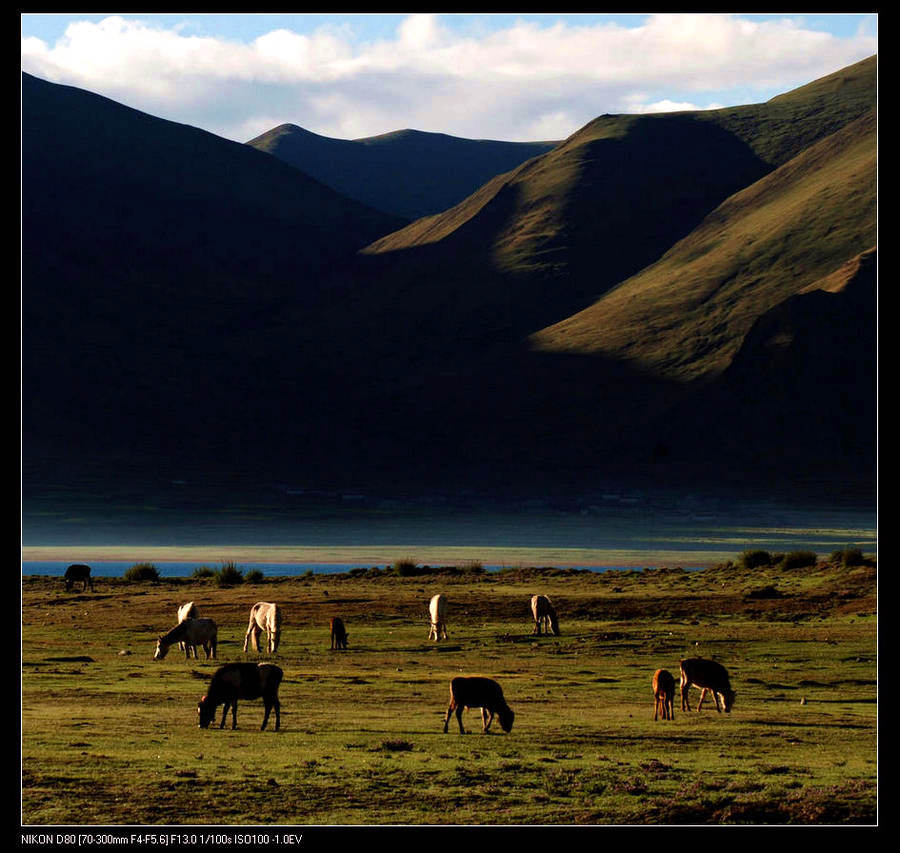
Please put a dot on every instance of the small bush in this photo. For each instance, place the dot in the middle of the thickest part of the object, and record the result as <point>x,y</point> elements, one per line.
<point>229,575</point>
<point>473,567</point>
<point>254,576</point>
<point>798,560</point>
<point>142,572</point>
<point>848,557</point>
<point>396,745</point>
<point>406,567</point>
<point>754,559</point>
<point>202,572</point>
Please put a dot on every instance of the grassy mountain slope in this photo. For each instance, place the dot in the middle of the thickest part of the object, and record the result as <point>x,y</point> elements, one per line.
<point>675,233</point>
<point>551,236</point>
<point>686,315</point>
<point>407,173</point>
<point>799,398</point>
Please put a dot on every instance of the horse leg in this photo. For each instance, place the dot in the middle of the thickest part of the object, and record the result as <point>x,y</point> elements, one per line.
<point>224,714</point>
<point>448,714</point>
<point>485,720</point>
<point>703,692</point>
<point>234,714</point>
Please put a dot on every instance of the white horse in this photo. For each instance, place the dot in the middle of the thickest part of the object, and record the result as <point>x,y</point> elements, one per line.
<point>191,632</point>
<point>544,614</point>
<point>264,616</point>
<point>437,608</point>
<point>188,611</point>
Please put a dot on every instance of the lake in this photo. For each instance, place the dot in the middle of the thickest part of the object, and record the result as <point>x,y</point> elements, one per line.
<point>322,539</point>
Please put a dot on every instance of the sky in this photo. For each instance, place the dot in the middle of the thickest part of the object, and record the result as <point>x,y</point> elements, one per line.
<point>481,76</point>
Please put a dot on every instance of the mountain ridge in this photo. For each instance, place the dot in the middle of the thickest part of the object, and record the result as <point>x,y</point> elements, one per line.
<point>408,173</point>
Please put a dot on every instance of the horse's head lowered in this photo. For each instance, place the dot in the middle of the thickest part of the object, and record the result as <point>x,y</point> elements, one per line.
<point>205,712</point>
<point>161,650</point>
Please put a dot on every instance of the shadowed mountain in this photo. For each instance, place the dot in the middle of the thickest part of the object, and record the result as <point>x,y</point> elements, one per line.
<point>799,398</point>
<point>407,173</point>
<point>597,312</point>
<point>576,307</point>
<point>146,246</point>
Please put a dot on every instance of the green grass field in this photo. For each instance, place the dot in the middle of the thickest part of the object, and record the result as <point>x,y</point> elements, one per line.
<point>110,737</point>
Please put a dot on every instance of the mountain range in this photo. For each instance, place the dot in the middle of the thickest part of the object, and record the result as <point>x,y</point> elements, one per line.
<point>408,173</point>
<point>674,298</point>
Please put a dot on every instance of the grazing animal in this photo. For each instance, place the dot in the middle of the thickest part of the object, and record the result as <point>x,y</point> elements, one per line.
<point>188,611</point>
<point>79,572</point>
<point>437,608</point>
<point>708,676</point>
<point>339,633</point>
<point>264,616</point>
<point>664,693</point>
<point>190,632</point>
<point>241,681</point>
<point>478,692</point>
<point>544,614</point>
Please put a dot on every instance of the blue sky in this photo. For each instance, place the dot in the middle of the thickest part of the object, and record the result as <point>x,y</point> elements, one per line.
<point>499,76</point>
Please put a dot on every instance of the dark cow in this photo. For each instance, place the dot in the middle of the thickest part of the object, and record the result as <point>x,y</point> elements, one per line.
<point>241,681</point>
<point>79,572</point>
<point>339,633</point>
<point>708,676</point>
<point>478,692</point>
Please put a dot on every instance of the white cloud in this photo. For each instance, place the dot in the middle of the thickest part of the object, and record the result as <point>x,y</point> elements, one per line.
<point>523,82</point>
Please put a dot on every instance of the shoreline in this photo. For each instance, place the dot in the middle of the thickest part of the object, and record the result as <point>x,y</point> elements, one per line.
<point>377,555</point>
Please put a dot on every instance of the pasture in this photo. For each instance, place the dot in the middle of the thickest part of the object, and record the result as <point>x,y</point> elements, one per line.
<point>110,736</point>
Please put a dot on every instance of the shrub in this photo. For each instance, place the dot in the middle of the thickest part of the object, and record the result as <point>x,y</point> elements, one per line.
<point>202,572</point>
<point>142,572</point>
<point>798,560</point>
<point>848,557</point>
<point>473,567</point>
<point>406,567</point>
<point>754,559</point>
<point>396,745</point>
<point>229,575</point>
<point>254,576</point>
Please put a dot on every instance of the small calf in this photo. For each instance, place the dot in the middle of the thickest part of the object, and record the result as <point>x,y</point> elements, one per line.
<point>664,694</point>
<point>339,633</point>
<point>79,572</point>
<point>241,681</point>
<point>708,676</point>
<point>477,692</point>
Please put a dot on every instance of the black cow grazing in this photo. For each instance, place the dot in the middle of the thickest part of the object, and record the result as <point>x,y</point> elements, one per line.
<point>708,676</point>
<point>79,572</point>
<point>664,694</point>
<point>477,692</point>
<point>241,681</point>
<point>339,633</point>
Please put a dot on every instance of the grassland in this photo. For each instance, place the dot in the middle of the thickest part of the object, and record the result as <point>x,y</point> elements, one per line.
<point>110,737</point>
